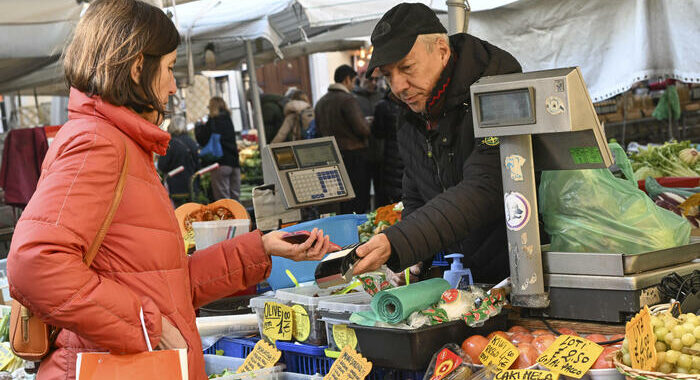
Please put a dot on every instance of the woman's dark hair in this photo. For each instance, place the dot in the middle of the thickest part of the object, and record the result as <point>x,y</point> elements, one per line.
<point>109,38</point>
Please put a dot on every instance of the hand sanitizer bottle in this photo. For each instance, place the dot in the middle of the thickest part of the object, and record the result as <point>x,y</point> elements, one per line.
<point>456,271</point>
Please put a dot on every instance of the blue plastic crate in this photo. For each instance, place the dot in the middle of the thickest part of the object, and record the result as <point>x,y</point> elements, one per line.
<point>233,347</point>
<point>342,230</point>
<point>439,260</point>
<point>307,359</point>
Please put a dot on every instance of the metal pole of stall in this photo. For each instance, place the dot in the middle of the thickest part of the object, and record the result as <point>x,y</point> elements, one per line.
<point>457,16</point>
<point>255,95</point>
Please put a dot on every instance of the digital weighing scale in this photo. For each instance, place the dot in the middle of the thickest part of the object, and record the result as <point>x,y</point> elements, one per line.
<point>299,174</point>
<point>545,120</point>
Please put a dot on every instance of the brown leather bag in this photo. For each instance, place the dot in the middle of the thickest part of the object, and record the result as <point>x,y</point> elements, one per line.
<point>30,338</point>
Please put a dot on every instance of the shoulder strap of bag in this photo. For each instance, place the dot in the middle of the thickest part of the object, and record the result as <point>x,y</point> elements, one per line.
<point>118,192</point>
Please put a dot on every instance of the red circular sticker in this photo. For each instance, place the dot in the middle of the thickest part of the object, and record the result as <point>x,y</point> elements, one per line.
<point>450,295</point>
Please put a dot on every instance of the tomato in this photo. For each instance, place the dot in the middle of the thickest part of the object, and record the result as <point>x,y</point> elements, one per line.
<point>541,332</point>
<point>542,342</point>
<point>499,333</point>
<point>518,338</point>
<point>473,346</point>
<point>527,357</point>
<point>518,329</point>
<point>597,338</point>
<point>605,359</point>
<point>567,331</point>
<point>616,337</point>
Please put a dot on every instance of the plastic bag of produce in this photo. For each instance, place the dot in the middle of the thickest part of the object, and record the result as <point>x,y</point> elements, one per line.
<point>593,211</point>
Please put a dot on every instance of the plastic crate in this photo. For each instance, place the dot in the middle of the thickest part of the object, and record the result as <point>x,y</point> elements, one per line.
<point>342,230</point>
<point>233,347</point>
<point>439,260</point>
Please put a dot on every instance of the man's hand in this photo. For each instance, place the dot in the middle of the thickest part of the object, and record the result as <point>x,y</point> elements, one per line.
<point>275,245</point>
<point>170,337</point>
<point>374,254</point>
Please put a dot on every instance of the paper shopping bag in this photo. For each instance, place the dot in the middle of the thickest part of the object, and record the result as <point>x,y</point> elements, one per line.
<point>167,364</point>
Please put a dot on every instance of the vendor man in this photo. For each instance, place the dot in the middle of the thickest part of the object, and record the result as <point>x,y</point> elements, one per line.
<point>452,181</point>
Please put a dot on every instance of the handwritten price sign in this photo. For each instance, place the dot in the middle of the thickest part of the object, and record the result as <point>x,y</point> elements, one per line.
<point>570,356</point>
<point>526,374</point>
<point>499,353</point>
<point>264,355</point>
<point>641,341</point>
<point>278,321</point>
<point>349,366</point>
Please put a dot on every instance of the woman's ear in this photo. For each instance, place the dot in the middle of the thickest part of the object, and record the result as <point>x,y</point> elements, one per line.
<point>136,69</point>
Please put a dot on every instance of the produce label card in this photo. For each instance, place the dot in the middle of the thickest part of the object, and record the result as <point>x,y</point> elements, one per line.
<point>570,356</point>
<point>500,353</point>
<point>526,374</point>
<point>302,323</point>
<point>349,366</point>
<point>344,336</point>
<point>642,341</point>
<point>278,322</point>
<point>264,355</point>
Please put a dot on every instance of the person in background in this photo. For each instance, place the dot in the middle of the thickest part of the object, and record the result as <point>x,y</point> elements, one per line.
<point>141,284</point>
<point>226,180</point>
<point>452,190</point>
<point>272,106</point>
<point>387,119</point>
<point>367,93</point>
<point>298,114</point>
<point>338,114</point>
<point>182,151</point>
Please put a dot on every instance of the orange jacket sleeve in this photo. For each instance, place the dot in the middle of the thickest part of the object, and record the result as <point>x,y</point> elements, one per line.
<point>45,265</point>
<point>228,267</point>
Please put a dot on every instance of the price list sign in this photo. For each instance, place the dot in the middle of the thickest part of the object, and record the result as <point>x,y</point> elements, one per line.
<point>349,366</point>
<point>570,356</point>
<point>641,341</point>
<point>264,355</point>
<point>500,353</point>
<point>278,321</point>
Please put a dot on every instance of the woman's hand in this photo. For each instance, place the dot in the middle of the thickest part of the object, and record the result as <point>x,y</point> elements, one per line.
<point>170,337</point>
<point>314,248</point>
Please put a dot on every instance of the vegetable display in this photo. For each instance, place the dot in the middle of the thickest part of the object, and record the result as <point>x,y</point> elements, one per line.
<point>379,220</point>
<point>672,159</point>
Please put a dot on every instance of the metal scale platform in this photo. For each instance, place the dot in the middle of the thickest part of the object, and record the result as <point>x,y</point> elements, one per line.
<point>545,120</point>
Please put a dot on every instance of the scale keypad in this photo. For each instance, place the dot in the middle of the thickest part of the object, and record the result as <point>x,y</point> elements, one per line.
<point>316,184</point>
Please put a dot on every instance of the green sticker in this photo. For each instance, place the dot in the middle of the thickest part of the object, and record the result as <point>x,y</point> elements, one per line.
<point>586,155</point>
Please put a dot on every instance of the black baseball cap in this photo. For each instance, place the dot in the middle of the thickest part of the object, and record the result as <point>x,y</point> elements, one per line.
<point>397,30</point>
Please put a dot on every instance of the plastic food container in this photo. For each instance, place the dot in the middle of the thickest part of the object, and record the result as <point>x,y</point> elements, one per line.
<point>209,233</point>
<point>309,326</point>
<point>257,304</point>
<point>214,364</point>
<point>336,315</point>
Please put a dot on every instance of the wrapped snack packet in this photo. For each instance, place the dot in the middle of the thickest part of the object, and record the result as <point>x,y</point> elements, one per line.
<point>374,282</point>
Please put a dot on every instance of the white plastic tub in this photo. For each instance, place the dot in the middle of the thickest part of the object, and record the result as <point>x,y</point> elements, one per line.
<point>209,233</point>
<point>257,304</point>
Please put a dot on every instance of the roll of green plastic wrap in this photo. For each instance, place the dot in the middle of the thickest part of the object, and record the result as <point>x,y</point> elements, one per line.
<point>395,305</point>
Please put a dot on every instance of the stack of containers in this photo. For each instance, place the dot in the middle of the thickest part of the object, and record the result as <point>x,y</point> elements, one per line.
<point>308,298</point>
<point>336,315</point>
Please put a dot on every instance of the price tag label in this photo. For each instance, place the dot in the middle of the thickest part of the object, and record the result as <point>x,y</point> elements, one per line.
<point>264,355</point>
<point>499,353</point>
<point>526,374</point>
<point>278,321</point>
<point>344,336</point>
<point>349,366</point>
<point>642,340</point>
<point>570,356</point>
<point>302,323</point>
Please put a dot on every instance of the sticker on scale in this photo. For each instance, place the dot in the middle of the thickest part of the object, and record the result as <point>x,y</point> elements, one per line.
<point>514,163</point>
<point>517,211</point>
<point>554,105</point>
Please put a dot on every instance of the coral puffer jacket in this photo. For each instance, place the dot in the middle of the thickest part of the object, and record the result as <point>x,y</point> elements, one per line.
<point>141,263</point>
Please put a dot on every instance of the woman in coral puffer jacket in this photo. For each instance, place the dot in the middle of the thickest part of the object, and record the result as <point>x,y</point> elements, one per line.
<point>120,69</point>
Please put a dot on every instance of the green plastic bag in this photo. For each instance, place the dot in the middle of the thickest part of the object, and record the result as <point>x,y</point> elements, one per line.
<point>593,211</point>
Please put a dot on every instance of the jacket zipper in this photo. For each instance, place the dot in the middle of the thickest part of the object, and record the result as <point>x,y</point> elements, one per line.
<point>432,156</point>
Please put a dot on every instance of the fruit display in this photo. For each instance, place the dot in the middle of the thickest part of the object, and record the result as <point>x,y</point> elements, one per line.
<point>531,344</point>
<point>677,344</point>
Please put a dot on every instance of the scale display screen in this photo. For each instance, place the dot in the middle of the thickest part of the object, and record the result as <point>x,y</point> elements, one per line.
<point>284,158</point>
<point>316,155</point>
<point>504,108</point>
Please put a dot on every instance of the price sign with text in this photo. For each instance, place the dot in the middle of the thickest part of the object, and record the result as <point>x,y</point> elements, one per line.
<point>278,321</point>
<point>500,353</point>
<point>264,355</point>
<point>570,356</point>
<point>349,366</point>
<point>641,338</point>
<point>526,374</point>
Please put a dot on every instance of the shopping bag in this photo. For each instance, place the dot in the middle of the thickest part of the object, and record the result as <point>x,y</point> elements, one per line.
<point>149,365</point>
<point>594,211</point>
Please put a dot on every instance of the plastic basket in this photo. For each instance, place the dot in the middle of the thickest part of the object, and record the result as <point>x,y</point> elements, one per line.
<point>342,230</point>
<point>233,347</point>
